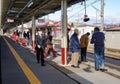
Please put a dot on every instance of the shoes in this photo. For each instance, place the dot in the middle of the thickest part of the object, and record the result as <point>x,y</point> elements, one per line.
<point>97,69</point>
<point>75,66</point>
<point>103,70</point>
<point>72,66</point>
<point>43,64</point>
<point>86,61</point>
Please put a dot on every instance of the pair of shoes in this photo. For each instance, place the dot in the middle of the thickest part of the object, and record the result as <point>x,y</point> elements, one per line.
<point>76,67</point>
<point>42,64</point>
<point>72,66</point>
<point>103,70</point>
<point>97,69</point>
<point>85,61</point>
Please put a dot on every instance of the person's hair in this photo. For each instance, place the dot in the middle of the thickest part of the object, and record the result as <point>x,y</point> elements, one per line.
<point>75,30</point>
<point>96,29</point>
<point>88,33</point>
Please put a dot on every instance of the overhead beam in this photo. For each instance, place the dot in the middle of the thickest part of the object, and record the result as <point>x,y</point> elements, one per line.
<point>19,5</point>
<point>20,1</point>
<point>44,7</point>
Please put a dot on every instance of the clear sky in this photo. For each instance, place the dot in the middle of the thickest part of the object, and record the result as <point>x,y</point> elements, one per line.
<point>112,10</point>
<point>76,12</point>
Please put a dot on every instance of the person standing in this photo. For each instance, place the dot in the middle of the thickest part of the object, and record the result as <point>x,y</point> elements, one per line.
<point>75,49</point>
<point>84,40</point>
<point>28,35</point>
<point>40,46</point>
<point>98,41</point>
<point>14,36</point>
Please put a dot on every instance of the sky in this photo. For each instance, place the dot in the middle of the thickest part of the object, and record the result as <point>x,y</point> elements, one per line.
<point>76,12</point>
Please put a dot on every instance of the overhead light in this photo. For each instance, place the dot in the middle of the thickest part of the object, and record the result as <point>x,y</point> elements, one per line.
<point>30,4</point>
<point>10,20</point>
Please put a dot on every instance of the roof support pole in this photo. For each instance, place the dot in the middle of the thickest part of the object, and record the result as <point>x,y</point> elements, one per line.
<point>102,15</point>
<point>33,33</point>
<point>1,30</point>
<point>0,13</point>
<point>64,50</point>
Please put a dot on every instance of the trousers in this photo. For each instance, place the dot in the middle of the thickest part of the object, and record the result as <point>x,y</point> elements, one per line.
<point>40,56</point>
<point>75,58</point>
<point>83,54</point>
<point>99,57</point>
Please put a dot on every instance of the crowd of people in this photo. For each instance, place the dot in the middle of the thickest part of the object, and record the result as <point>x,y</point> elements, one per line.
<point>43,42</point>
<point>78,47</point>
<point>17,36</point>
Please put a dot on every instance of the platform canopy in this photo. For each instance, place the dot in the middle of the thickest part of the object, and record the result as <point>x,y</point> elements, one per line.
<point>23,10</point>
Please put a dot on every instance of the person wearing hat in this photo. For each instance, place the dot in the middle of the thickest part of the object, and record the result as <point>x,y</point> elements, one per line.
<point>84,40</point>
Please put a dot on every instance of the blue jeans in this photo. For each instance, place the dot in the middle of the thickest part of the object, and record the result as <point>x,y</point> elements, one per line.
<point>99,57</point>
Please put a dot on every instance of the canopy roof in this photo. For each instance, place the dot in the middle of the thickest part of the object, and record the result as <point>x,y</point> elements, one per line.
<point>23,10</point>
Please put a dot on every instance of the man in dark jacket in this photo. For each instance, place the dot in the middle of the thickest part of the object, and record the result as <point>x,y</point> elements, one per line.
<point>75,49</point>
<point>98,41</point>
<point>40,46</point>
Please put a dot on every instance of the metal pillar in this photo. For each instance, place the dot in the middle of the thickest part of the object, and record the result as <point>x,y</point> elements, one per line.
<point>64,31</point>
<point>33,33</point>
<point>0,15</point>
<point>102,15</point>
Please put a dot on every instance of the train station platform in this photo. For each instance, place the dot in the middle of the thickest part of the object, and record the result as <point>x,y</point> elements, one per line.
<point>86,74</point>
<point>13,72</point>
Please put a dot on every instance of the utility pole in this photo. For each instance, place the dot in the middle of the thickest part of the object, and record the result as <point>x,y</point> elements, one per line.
<point>102,15</point>
<point>97,10</point>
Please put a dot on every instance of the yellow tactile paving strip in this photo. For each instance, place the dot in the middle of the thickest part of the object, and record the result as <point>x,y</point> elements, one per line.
<point>29,74</point>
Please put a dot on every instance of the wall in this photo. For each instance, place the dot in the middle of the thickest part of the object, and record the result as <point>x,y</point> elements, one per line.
<point>112,39</point>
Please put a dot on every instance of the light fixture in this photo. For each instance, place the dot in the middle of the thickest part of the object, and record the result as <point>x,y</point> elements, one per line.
<point>30,4</point>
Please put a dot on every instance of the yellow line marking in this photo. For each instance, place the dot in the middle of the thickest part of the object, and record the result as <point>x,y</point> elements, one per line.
<point>29,74</point>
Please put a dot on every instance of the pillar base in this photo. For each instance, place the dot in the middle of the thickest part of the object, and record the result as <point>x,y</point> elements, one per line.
<point>64,55</point>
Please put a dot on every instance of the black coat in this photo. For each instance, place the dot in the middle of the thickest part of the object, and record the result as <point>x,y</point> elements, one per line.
<point>41,40</point>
